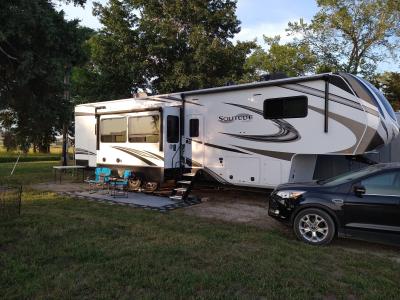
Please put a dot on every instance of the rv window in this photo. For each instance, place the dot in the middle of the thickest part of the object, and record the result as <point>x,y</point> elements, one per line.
<point>194,127</point>
<point>286,107</point>
<point>113,130</point>
<point>144,129</point>
<point>172,129</point>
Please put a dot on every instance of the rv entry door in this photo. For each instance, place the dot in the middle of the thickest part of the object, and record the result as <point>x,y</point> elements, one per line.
<point>171,137</point>
<point>194,141</point>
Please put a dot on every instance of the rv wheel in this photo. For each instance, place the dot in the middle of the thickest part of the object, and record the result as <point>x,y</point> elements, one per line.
<point>314,226</point>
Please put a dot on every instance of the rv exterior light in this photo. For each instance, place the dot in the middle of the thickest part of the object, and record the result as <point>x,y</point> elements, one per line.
<point>290,194</point>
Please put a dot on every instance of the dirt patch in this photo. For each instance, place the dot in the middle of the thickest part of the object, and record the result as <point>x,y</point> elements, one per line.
<point>235,206</point>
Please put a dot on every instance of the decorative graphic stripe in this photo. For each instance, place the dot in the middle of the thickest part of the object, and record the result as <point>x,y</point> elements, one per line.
<point>321,94</point>
<point>224,148</point>
<point>154,155</point>
<point>385,128</point>
<point>194,103</point>
<point>274,154</point>
<point>215,176</point>
<point>286,133</point>
<point>355,127</point>
<point>83,151</point>
<point>134,154</point>
<point>332,97</point>
<point>192,163</point>
<point>141,153</point>
<point>196,141</point>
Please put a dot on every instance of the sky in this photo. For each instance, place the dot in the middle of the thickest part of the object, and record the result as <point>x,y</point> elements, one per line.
<point>258,17</point>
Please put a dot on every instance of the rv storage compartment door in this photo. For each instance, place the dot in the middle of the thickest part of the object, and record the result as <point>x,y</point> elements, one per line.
<point>244,170</point>
<point>171,137</point>
<point>194,141</point>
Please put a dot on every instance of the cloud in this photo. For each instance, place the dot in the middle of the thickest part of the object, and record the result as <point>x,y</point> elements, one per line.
<point>257,31</point>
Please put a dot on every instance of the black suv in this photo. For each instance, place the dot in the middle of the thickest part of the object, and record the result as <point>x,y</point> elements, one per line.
<point>363,204</point>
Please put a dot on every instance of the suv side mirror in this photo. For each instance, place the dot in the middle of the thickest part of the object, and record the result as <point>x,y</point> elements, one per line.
<point>359,190</point>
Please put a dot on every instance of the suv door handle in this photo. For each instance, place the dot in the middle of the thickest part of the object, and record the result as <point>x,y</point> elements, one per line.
<point>338,201</point>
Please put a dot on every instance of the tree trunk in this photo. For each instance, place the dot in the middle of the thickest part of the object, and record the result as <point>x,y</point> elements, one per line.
<point>43,148</point>
<point>65,145</point>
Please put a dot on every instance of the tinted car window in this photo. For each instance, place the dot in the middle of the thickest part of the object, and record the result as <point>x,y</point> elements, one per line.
<point>382,184</point>
<point>346,177</point>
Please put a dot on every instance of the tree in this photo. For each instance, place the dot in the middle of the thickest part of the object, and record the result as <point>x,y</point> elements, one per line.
<point>351,35</point>
<point>36,46</point>
<point>168,45</point>
<point>291,59</point>
<point>389,83</point>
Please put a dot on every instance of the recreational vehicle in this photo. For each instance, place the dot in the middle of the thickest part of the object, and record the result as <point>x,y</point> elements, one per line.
<point>258,135</point>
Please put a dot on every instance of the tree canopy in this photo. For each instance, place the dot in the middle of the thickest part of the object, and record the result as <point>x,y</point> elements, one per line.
<point>289,58</point>
<point>37,45</point>
<point>170,45</point>
<point>351,35</point>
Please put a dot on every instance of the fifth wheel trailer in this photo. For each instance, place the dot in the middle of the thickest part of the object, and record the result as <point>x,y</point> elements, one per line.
<point>258,134</point>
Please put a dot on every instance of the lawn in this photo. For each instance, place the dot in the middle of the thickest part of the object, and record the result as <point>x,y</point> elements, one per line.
<point>27,172</point>
<point>11,156</point>
<point>68,248</point>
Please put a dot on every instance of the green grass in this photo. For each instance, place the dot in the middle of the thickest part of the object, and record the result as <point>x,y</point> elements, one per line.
<point>11,156</point>
<point>27,172</point>
<point>68,248</point>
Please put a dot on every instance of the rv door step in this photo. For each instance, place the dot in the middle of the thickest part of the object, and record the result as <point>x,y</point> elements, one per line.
<point>184,182</point>
<point>189,174</point>
<point>175,197</point>
<point>181,190</point>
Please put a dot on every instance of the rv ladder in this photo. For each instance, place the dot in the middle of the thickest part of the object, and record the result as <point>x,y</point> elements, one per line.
<point>182,192</point>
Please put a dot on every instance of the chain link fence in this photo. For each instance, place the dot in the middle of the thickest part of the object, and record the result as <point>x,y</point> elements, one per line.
<point>10,201</point>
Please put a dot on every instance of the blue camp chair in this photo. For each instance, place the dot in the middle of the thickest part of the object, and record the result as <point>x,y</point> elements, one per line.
<point>94,182</point>
<point>119,187</point>
<point>106,173</point>
<point>101,179</point>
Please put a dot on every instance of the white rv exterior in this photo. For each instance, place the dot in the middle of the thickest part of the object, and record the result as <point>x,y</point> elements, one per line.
<point>259,134</point>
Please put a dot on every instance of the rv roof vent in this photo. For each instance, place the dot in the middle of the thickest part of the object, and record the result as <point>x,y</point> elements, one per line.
<point>273,76</point>
<point>140,95</point>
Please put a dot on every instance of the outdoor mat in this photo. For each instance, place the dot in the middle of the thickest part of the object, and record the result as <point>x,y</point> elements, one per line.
<point>140,200</point>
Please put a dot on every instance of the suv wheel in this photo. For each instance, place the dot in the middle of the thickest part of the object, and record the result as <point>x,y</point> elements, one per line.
<point>314,226</point>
